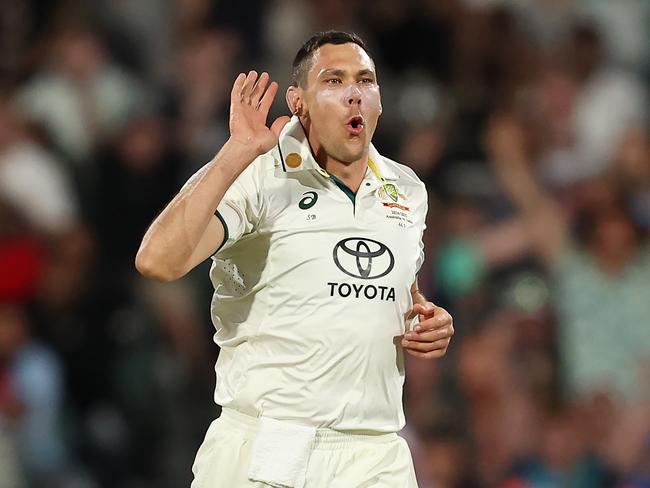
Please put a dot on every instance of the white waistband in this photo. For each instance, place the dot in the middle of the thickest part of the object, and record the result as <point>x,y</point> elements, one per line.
<point>325,438</point>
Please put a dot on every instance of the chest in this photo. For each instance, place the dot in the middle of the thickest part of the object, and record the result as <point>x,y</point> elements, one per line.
<point>318,230</point>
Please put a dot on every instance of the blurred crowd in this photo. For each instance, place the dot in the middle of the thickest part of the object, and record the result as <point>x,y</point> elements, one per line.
<point>528,121</point>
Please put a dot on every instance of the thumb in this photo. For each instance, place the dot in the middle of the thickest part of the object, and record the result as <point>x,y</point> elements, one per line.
<point>279,124</point>
<point>424,308</point>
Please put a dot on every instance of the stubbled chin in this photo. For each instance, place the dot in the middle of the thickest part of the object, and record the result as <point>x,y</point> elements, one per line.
<point>353,152</point>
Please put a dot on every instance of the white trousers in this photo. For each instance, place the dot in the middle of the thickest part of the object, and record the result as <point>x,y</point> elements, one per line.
<point>337,459</point>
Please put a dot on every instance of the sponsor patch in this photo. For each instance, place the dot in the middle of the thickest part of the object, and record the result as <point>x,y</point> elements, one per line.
<point>395,205</point>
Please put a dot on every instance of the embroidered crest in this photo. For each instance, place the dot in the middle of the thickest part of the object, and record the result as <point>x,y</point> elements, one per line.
<point>391,191</point>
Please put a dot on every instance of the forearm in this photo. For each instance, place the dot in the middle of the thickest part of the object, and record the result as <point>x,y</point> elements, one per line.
<point>519,183</point>
<point>508,150</point>
<point>173,236</point>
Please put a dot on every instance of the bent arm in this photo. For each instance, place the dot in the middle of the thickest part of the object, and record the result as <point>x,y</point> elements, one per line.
<point>539,213</point>
<point>187,231</point>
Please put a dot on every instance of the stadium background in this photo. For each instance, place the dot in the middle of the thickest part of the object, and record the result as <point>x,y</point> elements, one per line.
<point>528,122</point>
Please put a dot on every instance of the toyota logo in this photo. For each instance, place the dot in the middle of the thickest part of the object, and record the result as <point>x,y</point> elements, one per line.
<point>359,257</point>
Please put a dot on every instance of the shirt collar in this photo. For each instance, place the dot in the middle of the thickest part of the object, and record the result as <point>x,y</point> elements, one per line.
<point>296,155</point>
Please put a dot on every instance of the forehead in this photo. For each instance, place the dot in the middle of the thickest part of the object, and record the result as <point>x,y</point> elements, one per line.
<point>348,57</point>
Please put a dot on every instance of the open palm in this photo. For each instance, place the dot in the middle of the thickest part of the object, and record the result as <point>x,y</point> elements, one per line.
<point>250,101</point>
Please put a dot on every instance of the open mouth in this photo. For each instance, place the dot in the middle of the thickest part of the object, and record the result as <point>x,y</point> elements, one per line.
<point>355,125</point>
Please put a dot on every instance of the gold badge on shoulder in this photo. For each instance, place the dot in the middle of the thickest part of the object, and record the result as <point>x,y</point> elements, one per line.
<point>293,160</point>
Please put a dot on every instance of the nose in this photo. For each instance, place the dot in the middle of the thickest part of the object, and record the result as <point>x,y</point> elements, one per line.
<point>353,96</point>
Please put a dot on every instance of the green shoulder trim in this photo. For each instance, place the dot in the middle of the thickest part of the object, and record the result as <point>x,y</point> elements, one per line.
<point>225,230</point>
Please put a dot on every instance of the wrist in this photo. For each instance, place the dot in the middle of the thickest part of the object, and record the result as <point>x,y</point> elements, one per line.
<point>252,145</point>
<point>234,157</point>
<point>245,149</point>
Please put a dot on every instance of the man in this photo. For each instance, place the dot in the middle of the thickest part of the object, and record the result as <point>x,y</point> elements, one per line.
<point>318,242</point>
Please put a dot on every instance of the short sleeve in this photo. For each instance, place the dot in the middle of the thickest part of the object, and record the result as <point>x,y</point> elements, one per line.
<point>240,209</point>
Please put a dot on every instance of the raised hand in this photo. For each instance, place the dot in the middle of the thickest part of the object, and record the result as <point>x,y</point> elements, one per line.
<point>505,140</point>
<point>250,101</point>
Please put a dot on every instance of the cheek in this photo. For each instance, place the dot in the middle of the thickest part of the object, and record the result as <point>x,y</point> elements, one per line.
<point>326,110</point>
<point>372,99</point>
<point>325,99</point>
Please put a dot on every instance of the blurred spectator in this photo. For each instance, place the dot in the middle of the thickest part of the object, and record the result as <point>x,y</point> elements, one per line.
<point>21,258</point>
<point>585,107</point>
<point>31,179</point>
<point>135,177</point>
<point>31,399</point>
<point>200,98</point>
<point>542,255</point>
<point>602,280</point>
<point>504,402</point>
<point>422,148</point>
<point>195,16</point>
<point>563,459</point>
<point>624,26</point>
<point>154,336</point>
<point>632,170</point>
<point>78,95</point>
<point>38,188</point>
<point>288,24</point>
<point>139,34</point>
<point>394,26</point>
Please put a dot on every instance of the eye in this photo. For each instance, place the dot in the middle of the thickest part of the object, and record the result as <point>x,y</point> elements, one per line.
<point>333,81</point>
<point>366,80</point>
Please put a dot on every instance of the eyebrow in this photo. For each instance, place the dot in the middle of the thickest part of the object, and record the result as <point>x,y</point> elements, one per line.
<point>340,72</point>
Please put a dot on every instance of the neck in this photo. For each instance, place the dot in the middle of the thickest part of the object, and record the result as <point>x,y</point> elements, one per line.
<point>351,174</point>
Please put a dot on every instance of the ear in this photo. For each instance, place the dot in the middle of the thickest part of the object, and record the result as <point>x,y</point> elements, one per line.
<point>294,99</point>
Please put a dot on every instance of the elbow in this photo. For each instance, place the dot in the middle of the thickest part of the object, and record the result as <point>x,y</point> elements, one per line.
<point>154,269</point>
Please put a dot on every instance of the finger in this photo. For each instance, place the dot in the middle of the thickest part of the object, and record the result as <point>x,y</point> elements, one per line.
<point>237,87</point>
<point>421,309</point>
<point>426,309</point>
<point>258,89</point>
<point>425,346</point>
<point>279,124</point>
<point>438,321</point>
<point>429,335</point>
<point>247,88</point>
<point>427,355</point>
<point>267,100</point>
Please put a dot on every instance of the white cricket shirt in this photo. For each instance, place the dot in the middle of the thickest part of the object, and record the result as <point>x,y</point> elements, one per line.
<point>312,285</point>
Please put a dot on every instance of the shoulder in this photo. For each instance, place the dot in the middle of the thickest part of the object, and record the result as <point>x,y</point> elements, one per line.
<point>266,163</point>
<point>406,177</point>
<point>259,169</point>
<point>404,172</point>
<point>409,187</point>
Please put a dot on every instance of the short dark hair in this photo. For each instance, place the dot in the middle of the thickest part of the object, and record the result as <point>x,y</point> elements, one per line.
<point>303,59</point>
